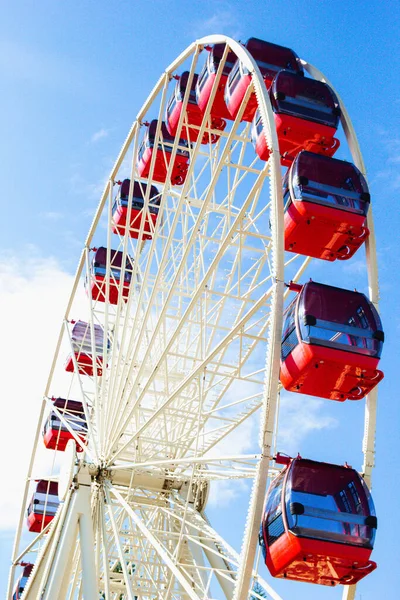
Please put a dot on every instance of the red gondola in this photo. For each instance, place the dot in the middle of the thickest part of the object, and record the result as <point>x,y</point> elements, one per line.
<point>43,505</point>
<point>98,281</point>
<point>319,524</point>
<point>206,80</point>
<point>82,345</point>
<point>270,59</point>
<point>194,114</point>
<point>331,343</point>
<point>326,204</point>
<point>55,434</point>
<point>120,210</point>
<point>163,156</point>
<point>306,115</point>
<point>22,581</point>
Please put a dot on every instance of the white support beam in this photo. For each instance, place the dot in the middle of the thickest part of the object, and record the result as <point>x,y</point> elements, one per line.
<point>156,545</point>
<point>79,518</point>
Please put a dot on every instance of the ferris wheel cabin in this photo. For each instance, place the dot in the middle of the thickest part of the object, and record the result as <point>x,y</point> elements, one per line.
<point>331,343</point>
<point>163,155</point>
<point>270,59</point>
<point>138,215</point>
<point>22,581</point>
<point>82,345</point>
<point>194,114</point>
<point>56,434</point>
<point>326,205</point>
<point>43,505</point>
<point>306,114</point>
<point>98,276</point>
<point>219,112</point>
<point>319,524</point>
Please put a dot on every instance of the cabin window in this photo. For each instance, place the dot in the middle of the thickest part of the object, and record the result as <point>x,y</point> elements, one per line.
<point>192,97</point>
<point>234,78</point>
<point>81,336</point>
<point>267,70</point>
<point>181,87</point>
<point>287,200</point>
<point>227,67</point>
<point>289,335</point>
<point>259,126</point>
<point>142,148</point>
<point>114,272</point>
<point>320,193</point>
<point>333,505</point>
<point>312,109</point>
<point>136,202</point>
<point>304,98</point>
<point>171,104</point>
<point>337,318</point>
<point>203,77</point>
<point>330,182</point>
<point>76,424</point>
<point>273,511</point>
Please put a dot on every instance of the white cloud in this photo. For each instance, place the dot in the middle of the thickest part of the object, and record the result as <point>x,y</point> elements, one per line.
<point>390,143</point>
<point>224,492</point>
<point>33,296</point>
<point>224,20</point>
<point>98,135</point>
<point>241,441</point>
<point>354,267</point>
<point>28,64</point>
<point>52,215</point>
<point>300,416</point>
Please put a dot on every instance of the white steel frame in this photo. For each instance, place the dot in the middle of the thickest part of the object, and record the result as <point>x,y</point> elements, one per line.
<point>134,518</point>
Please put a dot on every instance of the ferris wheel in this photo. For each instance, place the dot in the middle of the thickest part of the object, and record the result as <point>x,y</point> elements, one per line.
<point>172,338</point>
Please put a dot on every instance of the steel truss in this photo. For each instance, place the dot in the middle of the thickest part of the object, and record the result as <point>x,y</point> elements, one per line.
<point>183,373</point>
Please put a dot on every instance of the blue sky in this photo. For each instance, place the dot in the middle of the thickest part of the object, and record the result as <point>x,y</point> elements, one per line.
<point>73,77</point>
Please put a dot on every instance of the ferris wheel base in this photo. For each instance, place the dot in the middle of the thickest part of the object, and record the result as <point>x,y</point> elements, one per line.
<point>52,578</point>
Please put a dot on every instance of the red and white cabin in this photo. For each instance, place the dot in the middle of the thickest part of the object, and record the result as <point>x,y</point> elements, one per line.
<point>43,505</point>
<point>194,115</point>
<point>326,204</point>
<point>319,524</point>
<point>163,152</point>
<point>82,344</point>
<point>97,284</point>
<point>332,341</point>
<point>270,59</point>
<point>219,112</point>
<point>55,433</point>
<point>22,581</point>
<point>306,114</point>
<point>138,214</point>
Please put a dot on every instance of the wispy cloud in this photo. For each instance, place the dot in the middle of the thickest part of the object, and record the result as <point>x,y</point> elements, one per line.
<point>33,294</point>
<point>99,135</point>
<point>354,267</point>
<point>390,142</point>
<point>52,70</point>
<point>52,215</point>
<point>225,19</point>
<point>299,417</point>
<point>224,492</point>
<point>91,190</point>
